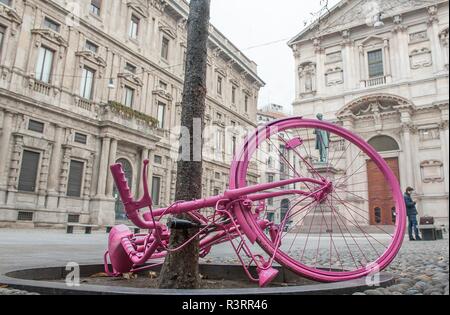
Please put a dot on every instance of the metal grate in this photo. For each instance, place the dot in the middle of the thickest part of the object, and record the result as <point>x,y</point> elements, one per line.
<point>25,216</point>
<point>73,218</point>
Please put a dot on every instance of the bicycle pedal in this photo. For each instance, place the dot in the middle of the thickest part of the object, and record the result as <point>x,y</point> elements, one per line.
<point>266,276</point>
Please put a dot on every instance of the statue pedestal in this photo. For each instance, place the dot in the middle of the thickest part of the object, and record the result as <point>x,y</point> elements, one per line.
<point>323,218</point>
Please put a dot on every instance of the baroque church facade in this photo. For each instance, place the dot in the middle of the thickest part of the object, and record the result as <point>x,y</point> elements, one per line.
<point>380,69</point>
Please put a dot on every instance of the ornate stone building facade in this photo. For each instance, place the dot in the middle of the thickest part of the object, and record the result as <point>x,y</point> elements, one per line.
<point>380,68</point>
<point>89,83</point>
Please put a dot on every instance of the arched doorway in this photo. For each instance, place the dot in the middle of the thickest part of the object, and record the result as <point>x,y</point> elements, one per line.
<point>119,209</point>
<point>381,204</point>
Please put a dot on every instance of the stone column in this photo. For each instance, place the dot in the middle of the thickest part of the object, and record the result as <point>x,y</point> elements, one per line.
<point>111,161</point>
<point>387,56</point>
<point>4,153</point>
<point>443,128</point>
<point>55,168</point>
<point>14,169</point>
<point>406,135</point>
<point>362,67</point>
<point>433,24</point>
<point>103,172</point>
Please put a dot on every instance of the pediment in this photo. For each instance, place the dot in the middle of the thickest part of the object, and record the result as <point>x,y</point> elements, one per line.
<point>139,9</point>
<point>376,103</point>
<point>348,14</point>
<point>169,31</point>
<point>131,78</point>
<point>88,55</point>
<point>51,36</point>
<point>10,14</point>
<point>221,71</point>
<point>372,41</point>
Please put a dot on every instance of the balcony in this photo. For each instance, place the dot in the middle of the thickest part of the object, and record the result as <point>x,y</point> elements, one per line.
<point>117,113</point>
<point>42,88</point>
<point>375,81</point>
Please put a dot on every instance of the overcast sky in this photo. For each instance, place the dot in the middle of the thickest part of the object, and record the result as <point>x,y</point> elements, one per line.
<point>249,23</point>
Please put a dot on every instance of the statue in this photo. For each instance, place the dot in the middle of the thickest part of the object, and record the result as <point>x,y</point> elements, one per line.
<point>322,142</point>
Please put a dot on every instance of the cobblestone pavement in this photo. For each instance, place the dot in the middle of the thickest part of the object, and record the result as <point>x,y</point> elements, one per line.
<point>421,268</point>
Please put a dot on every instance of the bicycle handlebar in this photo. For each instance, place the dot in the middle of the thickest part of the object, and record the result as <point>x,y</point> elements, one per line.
<point>125,192</point>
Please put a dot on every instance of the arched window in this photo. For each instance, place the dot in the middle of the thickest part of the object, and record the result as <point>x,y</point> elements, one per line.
<point>128,170</point>
<point>384,144</point>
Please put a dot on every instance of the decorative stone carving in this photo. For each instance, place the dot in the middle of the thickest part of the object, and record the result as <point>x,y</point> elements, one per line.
<point>12,16</point>
<point>420,58</point>
<point>14,168</point>
<point>432,171</point>
<point>429,134</point>
<point>65,165</point>
<point>334,57</point>
<point>159,5</point>
<point>136,7</point>
<point>52,37</point>
<point>334,76</point>
<point>91,57</point>
<point>167,30</point>
<point>88,176</point>
<point>131,78</point>
<point>433,15</point>
<point>418,36</point>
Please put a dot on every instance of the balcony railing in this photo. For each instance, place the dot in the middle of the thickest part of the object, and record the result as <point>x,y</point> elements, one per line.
<point>42,87</point>
<point>85,104</point>
<point>376,81</point>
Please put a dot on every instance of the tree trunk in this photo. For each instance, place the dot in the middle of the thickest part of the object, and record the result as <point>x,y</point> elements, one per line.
<point>180,270</point>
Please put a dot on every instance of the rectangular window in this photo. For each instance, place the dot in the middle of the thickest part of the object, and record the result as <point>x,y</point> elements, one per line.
<point>130,68</point>
<point>375,59</point>
<point>219,85</point>
<point>51,25</point>
<point>44,64</point>
<point>163,85</point>
<point>156,190</point>
<point>80,138</point>
<point>270,178</point>
<point>2,35</point>
<point>28,171</point>
<point>161,115</point>
<point>165,48</point>
<point>75,179</point>
<point>234,141</point>
<point>36,126</point>
<point>96,6</point>
<point>246,104</point>
<point>233,95</point>
<point>129,96</point>
<point>158,159</point>
<point>217,175</point>
<point>90,46</point>
<point>134,27</point>
<point>87,83</point>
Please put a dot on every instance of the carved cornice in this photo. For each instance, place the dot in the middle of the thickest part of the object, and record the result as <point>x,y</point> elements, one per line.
<point>51,36</point>
<point>12,16</point>
<point>159,5</point>
<point>90,56</point>
<point>131,78</point>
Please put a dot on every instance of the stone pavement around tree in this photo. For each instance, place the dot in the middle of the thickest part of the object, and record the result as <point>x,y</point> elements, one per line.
<point>421,268</point>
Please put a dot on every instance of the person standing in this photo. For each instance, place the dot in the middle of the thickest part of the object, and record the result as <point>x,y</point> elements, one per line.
<point>411,212</point>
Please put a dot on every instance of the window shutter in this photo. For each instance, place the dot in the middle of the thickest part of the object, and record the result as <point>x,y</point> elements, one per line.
<point>75,178</point>
<point>28,171</point>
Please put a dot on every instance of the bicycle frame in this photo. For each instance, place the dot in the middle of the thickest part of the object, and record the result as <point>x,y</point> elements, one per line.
<point>128,252</point>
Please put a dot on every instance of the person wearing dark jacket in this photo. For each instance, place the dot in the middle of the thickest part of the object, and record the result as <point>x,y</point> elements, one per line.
<point>411,212</point>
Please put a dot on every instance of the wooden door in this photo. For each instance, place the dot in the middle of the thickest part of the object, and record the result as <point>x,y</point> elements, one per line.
<point>381,203</point>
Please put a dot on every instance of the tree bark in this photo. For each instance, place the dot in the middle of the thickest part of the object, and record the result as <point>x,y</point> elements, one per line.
<point>180,270</point>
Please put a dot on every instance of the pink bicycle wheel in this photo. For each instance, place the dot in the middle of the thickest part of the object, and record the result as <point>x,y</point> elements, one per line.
<point>355,230</point>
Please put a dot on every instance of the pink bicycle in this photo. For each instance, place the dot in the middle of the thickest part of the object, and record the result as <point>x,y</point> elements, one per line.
<point>329,226</point>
